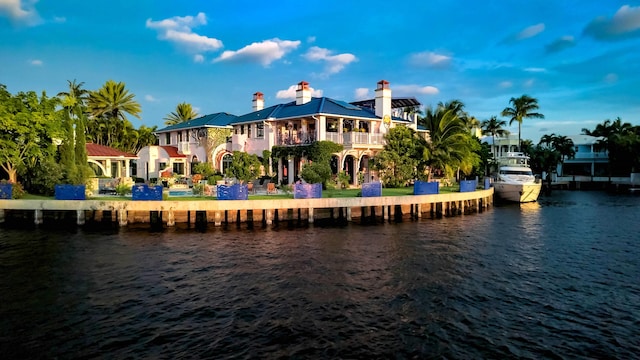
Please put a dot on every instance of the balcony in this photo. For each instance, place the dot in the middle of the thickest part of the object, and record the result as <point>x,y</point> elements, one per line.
<point>295,138</point>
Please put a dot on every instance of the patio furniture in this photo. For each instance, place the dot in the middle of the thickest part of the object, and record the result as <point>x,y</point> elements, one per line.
<point>271,188</point>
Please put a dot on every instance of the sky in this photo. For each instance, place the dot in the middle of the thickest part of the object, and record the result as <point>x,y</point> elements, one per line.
<point>579,58</point>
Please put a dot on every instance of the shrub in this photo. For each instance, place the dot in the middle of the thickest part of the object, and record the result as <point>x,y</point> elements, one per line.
<point>123,189</point>
<point>198,189</point>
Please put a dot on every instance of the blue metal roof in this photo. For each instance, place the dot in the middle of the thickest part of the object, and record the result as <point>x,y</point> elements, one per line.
<point>315,106</point>
<point>212,120</point>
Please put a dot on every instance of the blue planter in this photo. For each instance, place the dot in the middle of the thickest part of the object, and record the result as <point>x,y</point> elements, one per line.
<point>468,185</point>
<point>426,188</point>
<point>307,191</point>
<point>233,192</point>
<point>145,192</point>
<point>6,191</point>
<point>372,189</point>
<point>70,192</point>
<point>487,183</point>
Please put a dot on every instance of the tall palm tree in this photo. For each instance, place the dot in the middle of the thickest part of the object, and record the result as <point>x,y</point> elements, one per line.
<point>522,108</point>
<point>184,112</point>
<point>114,101</point>
<point>76,96</point>
<point>493,127</point>
<point>565,147</point>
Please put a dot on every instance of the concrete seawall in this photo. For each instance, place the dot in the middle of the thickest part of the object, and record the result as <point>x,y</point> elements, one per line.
<point>218,212</point>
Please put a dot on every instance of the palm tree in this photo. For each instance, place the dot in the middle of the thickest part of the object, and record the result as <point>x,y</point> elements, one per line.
<point>114,101</point>
<point>493,127</point>
<point>565,147</point>
<point>184,112</point>
<point>76,96</point>
<point>521,109</point>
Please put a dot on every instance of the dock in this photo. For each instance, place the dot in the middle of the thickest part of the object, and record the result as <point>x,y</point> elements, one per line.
<point>219,212</point>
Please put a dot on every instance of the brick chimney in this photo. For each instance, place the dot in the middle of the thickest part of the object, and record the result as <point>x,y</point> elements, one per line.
<point>303,94</point>
<point>258,101</point>
<point>383,99</point>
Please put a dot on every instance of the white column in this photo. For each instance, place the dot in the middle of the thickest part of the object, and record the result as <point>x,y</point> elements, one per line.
<point>290,171</point>
<point>280,174</point>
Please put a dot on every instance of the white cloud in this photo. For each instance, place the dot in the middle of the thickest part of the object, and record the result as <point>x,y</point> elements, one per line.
<point>562,43</point>
<point>20,11</point>
<point>505,84</point>
<point>535,70</point>
<point>290,93</point>
<point>311,39</point>
<point>334,63</point>
<point>36,62</point>
<point>361,93</point>
<point>150,98</point>
<point>611,78</point>
<point>179,30</point>
<point>264,52</point>
<point>624,23</point>
<point>198,58</point>
<point>529,83</point>
<point>431,59</point>
<point>415,89</point>
<point>530,32</point>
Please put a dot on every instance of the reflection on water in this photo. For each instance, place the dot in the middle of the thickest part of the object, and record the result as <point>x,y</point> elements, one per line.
<point>551,279</point>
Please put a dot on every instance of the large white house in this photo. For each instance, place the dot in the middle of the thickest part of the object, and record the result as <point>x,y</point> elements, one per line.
<point>358,126</point>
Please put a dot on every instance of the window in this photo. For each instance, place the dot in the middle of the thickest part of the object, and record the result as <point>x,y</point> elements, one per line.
<point>260,130</point>
<point>179,136</point>
<point>134,167</point>
<point>162,166</point>
<point>241,129</point>
<point>167,138</point>
<point>178,168</point>
<point>249,131</point>
<point>226,162</point>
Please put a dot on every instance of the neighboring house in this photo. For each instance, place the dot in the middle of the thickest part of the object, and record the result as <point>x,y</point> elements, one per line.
<point>589,159</point>
<point>183,145</point>
<point>360,127</point>
<point>109,162</point>
<point>503,144</point>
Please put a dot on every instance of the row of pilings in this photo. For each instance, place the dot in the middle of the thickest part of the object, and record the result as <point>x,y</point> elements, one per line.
<point>253,212</point>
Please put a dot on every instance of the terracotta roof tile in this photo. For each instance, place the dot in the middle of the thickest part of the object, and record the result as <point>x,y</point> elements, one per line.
<point>105,151</point>
<point>172,151</point>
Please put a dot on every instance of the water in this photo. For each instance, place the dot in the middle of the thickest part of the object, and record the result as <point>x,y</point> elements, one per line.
<point>554,279</point>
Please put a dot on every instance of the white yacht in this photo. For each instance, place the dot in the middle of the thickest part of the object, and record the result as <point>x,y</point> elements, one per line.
<point>515,180</point>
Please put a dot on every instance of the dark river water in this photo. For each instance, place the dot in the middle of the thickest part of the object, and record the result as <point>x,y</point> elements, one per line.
<point>555,279</point>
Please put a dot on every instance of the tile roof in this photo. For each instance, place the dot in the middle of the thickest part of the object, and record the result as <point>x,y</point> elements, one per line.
<point>96,150</point>
<point>172,151</point>
<point>220,119</point>
<point>315,106</point>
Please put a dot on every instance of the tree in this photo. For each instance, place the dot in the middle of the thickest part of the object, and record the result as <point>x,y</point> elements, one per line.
<point>494,127</point>
<point>565,147</point>
<point>522,108</point>
<point>244,167</point>
<point>75,97</point>
<point>28,126</point>
<point>184,112</point>
<point>113,101</point>
<point>398,160</point>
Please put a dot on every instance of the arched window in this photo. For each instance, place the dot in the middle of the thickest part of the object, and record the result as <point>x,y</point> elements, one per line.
<point>226,162</point>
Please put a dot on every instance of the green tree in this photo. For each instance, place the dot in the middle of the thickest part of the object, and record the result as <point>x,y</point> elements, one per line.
<point>184,112</point>
<point>28,126</point>
<point>397,162</point>
<point>522,108</point>
<point>494,127</point>
<point>244,167</point>
<point>114,101</point>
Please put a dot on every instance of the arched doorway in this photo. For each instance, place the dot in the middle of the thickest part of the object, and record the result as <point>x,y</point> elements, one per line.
<point>365,168</point>
<point>349,167</point>
<point>335,160</point>
<point>227,159</point>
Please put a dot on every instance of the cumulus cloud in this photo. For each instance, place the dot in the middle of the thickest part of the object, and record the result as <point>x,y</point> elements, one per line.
<point>18,11</point>
<point>526,33</point>
<point>150,98</point>
<point>179,30</point>
<point>625,23</point>
<point>198,58</point>
<point>560,44</point>
<point>311,39</point>
<point>361,93</point>
<point>415,89</point>
<point>334,63</point>
<point>36,62</point>
<point>290,93</point>
<point>263,53</point>
<point>430,59</point>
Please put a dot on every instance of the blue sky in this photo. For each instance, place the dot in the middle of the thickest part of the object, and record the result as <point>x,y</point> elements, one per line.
<point>580,59</point>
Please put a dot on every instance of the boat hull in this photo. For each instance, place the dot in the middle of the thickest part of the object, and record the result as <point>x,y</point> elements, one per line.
<point>521,193</point>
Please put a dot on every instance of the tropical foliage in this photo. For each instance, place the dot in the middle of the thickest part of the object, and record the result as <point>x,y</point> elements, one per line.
<point>184,112</point>
<point>494,127</point>
<point>244,167</point>
<point>521,108</point>
<point>398,161</point>
<point>622,142</point>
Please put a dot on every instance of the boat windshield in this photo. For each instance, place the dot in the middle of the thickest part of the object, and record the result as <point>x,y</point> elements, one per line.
<point>516,172</point>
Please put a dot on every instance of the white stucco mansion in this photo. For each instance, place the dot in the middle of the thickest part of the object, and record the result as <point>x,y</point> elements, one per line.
<point>359,126</point>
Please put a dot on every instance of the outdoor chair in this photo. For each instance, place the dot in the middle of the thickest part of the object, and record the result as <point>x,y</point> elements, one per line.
<point>250,188</point>
<point>271,188</point>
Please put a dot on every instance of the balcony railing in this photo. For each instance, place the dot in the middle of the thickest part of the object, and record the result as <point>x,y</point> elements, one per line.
<point>296,138</point>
